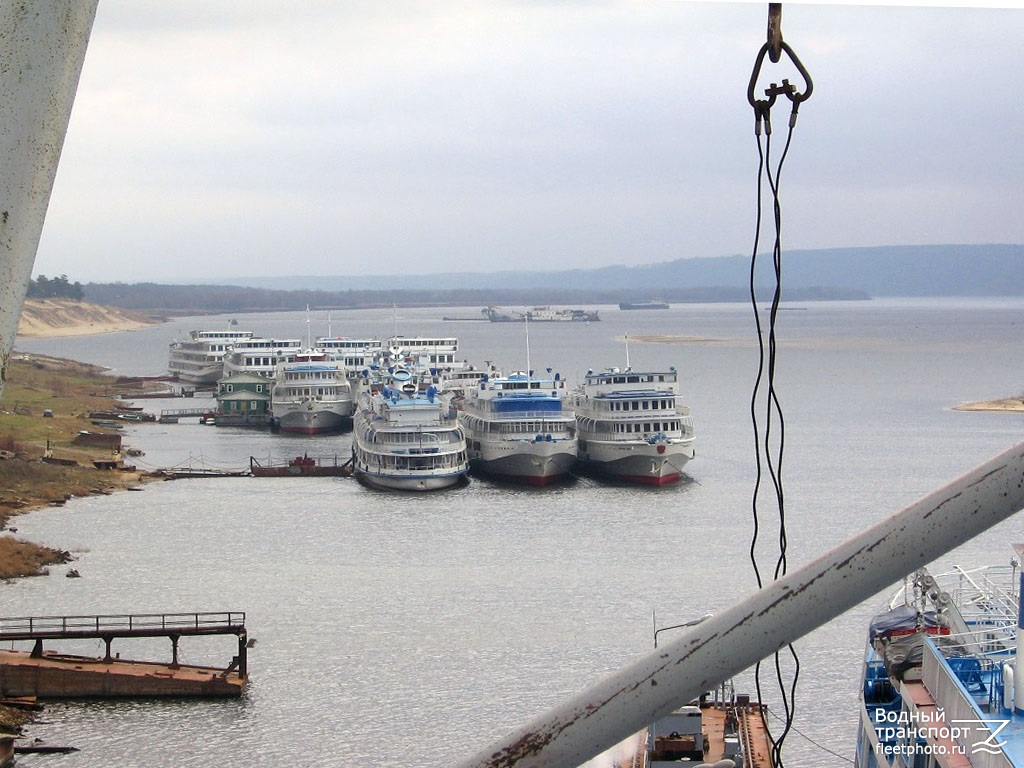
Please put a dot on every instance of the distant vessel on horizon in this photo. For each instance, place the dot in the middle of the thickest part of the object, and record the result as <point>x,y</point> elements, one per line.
<point>649,304</point>
<point>544,314</point>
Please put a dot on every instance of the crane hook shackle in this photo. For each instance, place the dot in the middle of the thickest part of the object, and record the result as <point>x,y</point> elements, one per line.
<point>795,96</point>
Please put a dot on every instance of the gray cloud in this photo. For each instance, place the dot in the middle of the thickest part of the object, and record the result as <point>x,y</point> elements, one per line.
<point>339,138</point>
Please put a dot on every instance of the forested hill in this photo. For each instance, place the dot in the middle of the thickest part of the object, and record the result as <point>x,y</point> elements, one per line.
<point>841,273</point>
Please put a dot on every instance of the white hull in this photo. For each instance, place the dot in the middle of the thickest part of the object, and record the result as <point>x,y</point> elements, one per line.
<point>204,375</point>
<point>310,421</point>
<point>408,482</point>
<point>638,462</point>
<point>312,394</point>
<point>533,462</point>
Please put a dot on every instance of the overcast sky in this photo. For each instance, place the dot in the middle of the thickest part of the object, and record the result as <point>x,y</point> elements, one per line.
<point>211,139</point>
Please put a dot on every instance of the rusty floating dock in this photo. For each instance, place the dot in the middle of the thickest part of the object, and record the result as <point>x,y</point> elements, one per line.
<point>301,466</point>
<point>52,675</point>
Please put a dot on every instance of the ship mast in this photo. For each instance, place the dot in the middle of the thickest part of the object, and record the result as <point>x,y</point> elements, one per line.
<point>526,318</point>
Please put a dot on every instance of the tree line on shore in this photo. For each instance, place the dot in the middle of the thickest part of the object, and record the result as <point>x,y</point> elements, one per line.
<point>43,287</point>
<point>199,299</point>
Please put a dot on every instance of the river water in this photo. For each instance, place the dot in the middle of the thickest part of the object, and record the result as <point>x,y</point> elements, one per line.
<point>416,629</point>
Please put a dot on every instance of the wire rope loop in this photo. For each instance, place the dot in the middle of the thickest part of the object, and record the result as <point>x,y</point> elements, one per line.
<point>797,97</point>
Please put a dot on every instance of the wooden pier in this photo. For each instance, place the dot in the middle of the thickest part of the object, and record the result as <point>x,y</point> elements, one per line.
<point>48,674</point>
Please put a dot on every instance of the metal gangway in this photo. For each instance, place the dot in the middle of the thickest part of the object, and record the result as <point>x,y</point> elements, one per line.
<point>108,627</point>
<point>171,415</point>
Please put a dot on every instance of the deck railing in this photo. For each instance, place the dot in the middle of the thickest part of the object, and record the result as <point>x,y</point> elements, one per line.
<point>121,625</point>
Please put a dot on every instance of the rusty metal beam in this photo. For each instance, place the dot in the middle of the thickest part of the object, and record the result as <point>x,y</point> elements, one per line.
<point>751,630</point>
<point>42,47</point>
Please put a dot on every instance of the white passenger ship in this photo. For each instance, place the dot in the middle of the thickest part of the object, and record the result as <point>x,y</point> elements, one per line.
<point>436,352</point>
<point>355,353</point>
<point>199,359</point>
<point>518,428</point>
<point>259,355</point>
<point>632,426</point>
<point>405,433</point>
<point>312,394</point>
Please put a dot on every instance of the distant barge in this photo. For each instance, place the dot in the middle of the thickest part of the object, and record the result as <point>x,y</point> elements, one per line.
<point>652,304</point>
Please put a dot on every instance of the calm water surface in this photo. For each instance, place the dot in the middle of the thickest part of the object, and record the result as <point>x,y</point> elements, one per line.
<point>414,630</point>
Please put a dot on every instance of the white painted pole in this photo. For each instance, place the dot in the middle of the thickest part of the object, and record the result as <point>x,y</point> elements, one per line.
<point>753,629</point>
<point>42,47</point>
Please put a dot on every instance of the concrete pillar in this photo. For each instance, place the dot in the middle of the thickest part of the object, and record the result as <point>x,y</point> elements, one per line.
<point>42,47</point>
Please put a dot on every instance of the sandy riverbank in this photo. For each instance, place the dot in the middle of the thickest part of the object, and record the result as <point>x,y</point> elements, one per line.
<point>50,318</point>
<point>46,403</point>
<point>1009,404</point>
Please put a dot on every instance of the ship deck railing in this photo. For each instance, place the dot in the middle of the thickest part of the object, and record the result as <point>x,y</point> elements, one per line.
<point>961,707</point>
<point>121,625</point>
<point>553,416</point>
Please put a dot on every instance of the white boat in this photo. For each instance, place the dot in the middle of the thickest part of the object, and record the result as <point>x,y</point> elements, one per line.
<point>518,428</point>
<point>199,359</point>
<point>356,354</point>
<point>437,352</point>
<point>405,433</point>
<point>541,315</point>
<point>940,683</point>
<point>456,382</point>
<point>312,394</point>
<point>259,355</point>
<point>551,315</point>
<point>632,426</point>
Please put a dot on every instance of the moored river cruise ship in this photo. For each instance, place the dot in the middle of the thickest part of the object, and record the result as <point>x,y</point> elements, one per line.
<point>518,428</point>
<point>631,426</point>
<point>199,359</point>
<point>312,394</point>
<point>405,433</point>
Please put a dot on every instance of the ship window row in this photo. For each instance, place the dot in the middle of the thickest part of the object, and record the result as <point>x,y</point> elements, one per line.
<point>366,344</point>
<point>310,375</point>
<point>254,361</point>
<point>631,428</point>
<point>415,463</point>
<point>263,344</point>
<point>642,405</point>
<point>422,343</point>
<point>222,335</point>
<point>519,427</point>
<point>311,391</point>
<point>415,438</point>
<point>635,378</point>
